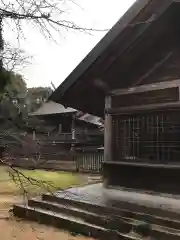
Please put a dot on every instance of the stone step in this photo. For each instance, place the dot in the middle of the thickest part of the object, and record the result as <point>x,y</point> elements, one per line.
<point>66,222</point>
<point>84,214</point>
<point>128,210</point>
<point>122,224</point>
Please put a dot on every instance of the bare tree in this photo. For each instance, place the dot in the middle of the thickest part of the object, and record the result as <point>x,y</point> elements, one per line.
<point>21,150</point>
<point>46,14</point>
<point>14,57</point>
<point>49,16</point>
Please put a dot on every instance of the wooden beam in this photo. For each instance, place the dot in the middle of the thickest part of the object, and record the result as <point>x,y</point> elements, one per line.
<point>147,87</point>
<point>154,68</point>
<point>152,107</point>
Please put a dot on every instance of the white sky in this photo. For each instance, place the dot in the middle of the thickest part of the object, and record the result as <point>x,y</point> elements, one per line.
<point>54,61</point>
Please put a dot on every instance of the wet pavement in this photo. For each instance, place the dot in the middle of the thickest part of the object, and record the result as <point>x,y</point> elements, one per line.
<point>96,194</point>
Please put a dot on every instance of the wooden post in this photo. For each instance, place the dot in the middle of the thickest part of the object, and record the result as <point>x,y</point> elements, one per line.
<point>73,128</point>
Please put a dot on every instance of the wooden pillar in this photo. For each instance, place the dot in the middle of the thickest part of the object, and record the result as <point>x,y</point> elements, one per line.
<point>108,150</point>
<point>34,134</point>
<point>73,132</point>
<point>60,128</point>
<point>108,154</point>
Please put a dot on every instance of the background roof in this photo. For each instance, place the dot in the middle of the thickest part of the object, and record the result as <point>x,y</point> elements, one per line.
<point>51,107</point>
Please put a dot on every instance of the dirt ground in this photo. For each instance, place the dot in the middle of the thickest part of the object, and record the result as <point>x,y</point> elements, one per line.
<point>14,229</point>
<point>19,230</point>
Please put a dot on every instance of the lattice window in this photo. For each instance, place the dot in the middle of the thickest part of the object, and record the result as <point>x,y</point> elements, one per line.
<point>152,137</point>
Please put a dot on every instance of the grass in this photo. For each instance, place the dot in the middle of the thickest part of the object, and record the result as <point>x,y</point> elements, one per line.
<point>12,192</point>
<point>41,181</point>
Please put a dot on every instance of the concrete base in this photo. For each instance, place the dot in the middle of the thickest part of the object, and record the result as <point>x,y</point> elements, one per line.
<point>98,195</point>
